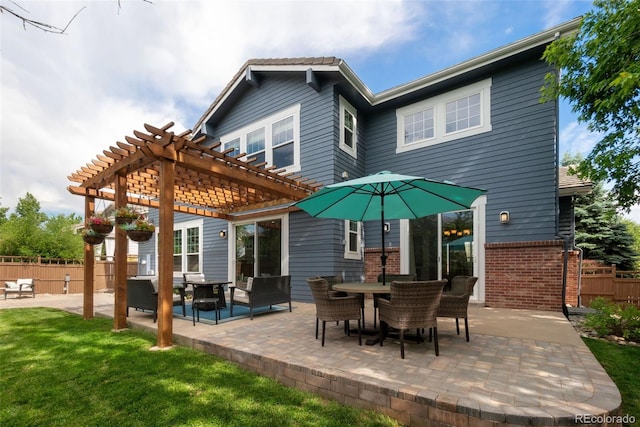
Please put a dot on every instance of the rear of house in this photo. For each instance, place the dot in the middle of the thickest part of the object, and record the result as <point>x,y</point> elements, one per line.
<point>479,123</point>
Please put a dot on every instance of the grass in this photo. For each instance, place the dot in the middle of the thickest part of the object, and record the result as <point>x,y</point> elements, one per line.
<point>60,370</point>
<point>622,363</point>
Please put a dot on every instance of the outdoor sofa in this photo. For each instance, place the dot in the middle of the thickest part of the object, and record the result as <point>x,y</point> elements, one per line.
<point>261,291</point>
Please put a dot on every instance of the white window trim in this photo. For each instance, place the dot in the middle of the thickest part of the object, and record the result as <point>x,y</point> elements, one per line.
<point>231,232</point>
<point>352,151</point>
<point>438,103</point>
<point>357,254</point>
<point>196,223</point>
<point>267,123</point>
<point>479,207</point>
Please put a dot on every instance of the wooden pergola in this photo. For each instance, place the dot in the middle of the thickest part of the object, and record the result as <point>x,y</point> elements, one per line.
<point>173,173</point>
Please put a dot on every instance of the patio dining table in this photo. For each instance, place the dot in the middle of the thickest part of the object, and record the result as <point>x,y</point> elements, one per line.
<point>369,288</point>
<point>220,284</point>
<point>363,288</point>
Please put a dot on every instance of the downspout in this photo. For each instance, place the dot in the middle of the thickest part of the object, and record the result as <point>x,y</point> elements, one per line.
<point>579,274</point>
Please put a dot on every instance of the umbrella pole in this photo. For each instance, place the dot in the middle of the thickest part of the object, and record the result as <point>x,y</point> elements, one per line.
<point>383,257</point>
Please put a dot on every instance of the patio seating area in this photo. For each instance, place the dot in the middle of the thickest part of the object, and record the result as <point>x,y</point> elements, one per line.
<point>521,367</point>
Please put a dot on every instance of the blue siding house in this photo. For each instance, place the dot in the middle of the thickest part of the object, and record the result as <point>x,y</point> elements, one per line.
<point>479,123</point>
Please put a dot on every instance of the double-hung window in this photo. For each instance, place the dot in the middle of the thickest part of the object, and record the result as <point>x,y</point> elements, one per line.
<point>274,140</point>
<point>352,239</point>
<point>187,247</point>
<point>348,128</point>
<point>454,115</point>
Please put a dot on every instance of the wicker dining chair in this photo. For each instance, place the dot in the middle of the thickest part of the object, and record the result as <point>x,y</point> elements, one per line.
<point>455,303</point>
<point>413,305</point>
<point>389,278</point>
<point>334,308</point>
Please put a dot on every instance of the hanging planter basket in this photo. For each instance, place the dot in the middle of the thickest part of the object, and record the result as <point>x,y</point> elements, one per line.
<point>101,228</point>
<point>139,235</point>
<point>93,239</point>
<point>120,220</point>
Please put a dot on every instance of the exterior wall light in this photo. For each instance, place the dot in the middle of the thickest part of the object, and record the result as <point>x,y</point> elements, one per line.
<point>222,234</point>
<point>504,217</point>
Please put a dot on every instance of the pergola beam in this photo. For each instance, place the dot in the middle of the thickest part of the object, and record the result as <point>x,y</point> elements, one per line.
<point>171,173</point>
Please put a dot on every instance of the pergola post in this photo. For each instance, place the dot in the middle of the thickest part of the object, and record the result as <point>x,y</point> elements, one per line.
<point>89,263</point>
<point>165,254</point>
<point>120,259</point>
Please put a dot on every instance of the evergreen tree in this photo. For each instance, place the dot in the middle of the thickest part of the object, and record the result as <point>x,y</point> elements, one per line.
<point>600,231</point>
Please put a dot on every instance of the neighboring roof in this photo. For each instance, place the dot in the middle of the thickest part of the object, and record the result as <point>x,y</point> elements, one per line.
<point>572,185</point>
<point>337,65</point>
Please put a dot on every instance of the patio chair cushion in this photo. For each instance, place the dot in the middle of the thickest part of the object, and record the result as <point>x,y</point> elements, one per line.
<point>19,287</point>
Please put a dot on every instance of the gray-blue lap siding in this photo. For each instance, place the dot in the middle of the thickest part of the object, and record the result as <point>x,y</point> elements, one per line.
<point>515,161</point>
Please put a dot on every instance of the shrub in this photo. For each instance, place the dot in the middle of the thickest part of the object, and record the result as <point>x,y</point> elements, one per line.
<point>614,319</point>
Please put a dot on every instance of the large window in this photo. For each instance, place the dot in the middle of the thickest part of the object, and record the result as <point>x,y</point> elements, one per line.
<point>352,239</point>
<point>187,247</point>
<point>260,248</point>
<point>274,140</point>
<point>453,115</point>
<point>348,128</point>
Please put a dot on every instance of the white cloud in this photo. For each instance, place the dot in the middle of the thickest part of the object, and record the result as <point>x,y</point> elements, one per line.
<point>576,138</point>
<point>65,98</point>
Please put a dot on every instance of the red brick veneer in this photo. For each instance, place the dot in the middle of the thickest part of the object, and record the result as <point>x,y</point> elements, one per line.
<point>373,265</point>
<point>524,275</point>
<point>517,275</point>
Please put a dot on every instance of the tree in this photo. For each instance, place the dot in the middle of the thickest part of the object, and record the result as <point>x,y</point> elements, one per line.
<point>29,232</point>
<point>600,231</point>
<point>634,230</point>
<point>41,25</point>
<point>600,76</point>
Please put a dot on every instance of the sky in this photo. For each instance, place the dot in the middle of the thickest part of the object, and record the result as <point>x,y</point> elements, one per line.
<point>66,98</point>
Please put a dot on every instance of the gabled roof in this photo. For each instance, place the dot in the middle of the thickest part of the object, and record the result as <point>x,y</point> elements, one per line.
<point>572,185</point>
<point>245,76</point>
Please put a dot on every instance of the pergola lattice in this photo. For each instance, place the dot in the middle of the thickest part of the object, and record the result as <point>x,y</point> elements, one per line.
<point>172,173</point>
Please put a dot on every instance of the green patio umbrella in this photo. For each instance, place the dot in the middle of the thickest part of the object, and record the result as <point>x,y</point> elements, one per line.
<point>386,195</point>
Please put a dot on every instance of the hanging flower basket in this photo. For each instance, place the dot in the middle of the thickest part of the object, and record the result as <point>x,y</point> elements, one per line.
<point>100,224</point>
<point>139,235</point>
<point>125,216</point>
<point>101,228</point>
<point>93,238</point>
<point>120,220</point>
<point>139,230</point>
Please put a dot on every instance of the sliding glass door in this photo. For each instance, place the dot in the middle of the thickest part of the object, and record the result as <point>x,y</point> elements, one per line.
<point>258,249</point>
<point>441,246</point>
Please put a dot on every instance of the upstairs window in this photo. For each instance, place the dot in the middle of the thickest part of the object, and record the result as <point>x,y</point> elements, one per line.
<point>463,113</point>
<point>274,140</point>
<point>348,128</point>
<point>454,115</point>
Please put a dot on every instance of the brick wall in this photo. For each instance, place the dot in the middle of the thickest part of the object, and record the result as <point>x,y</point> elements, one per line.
<point>524,275</point>
<point>373,265</point>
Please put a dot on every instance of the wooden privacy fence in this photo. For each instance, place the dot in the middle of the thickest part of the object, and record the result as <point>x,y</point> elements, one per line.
<point>50,274</point>
<point>618,286</point>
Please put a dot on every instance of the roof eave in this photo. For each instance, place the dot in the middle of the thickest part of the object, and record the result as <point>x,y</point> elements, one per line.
<point>541,38</point>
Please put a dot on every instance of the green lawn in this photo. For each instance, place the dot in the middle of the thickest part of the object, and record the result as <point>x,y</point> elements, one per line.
<point>57,369</point>
<point>622,363</point>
